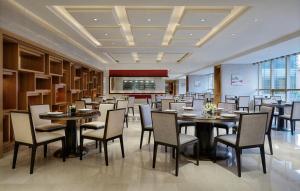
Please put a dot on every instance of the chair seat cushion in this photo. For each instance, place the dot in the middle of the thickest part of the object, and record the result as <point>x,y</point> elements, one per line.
<point>94,124</point>
<point>285,116</point>
<point>276,113</point>
<point>184,138</point>
<point>185,123</point>
<point>228,138</point>
<point>46,136</point>
<point>49,127</point>
<point>148,127</point>
<point>99,133</point>
<point>225,125</point>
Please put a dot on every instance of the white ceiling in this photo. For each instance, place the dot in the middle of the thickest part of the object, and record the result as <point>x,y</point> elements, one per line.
<point>263,22</point>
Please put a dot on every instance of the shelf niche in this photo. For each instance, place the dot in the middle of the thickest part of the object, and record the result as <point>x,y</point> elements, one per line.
<point>10,88</point>
<point>31,60</point>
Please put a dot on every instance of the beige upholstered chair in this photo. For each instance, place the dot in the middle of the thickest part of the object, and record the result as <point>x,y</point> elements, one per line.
<point>258,102</point>
<point>149,101</point>
<point>244,102</point>
<point>87,100</point>
<point>131,104</point>
<point>123,104</point>
<point>99,99</point>
<point>113,129</point>
<point>229,98</point>
<point>42,124</point>
<point>198,105</point>
<point>25,134</point>
<point>80,104</point>
<point>166,133</point>
<point>228,108</point>
<point>165,104</point>
<point>251,134</point>
<point>146,121</point>
<point>294,116</point>
<point>270,111</point>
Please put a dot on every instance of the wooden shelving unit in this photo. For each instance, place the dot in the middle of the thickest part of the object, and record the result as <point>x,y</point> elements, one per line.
<point>33,76</point>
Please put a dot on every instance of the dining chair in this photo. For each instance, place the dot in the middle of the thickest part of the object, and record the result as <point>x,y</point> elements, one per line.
<point>227,108</point>
<point>166,133</point>
<point>270,111</point>
<point>146,121</point>
<point>165,104</point>
<point>251,134</point>
<point>113,129</point>
<point>87,100</point>
<point>149,102</point>
<point>25,134</point>
<point>178,106</point>
<point>123,104</point>
<point>230,99</point>
<point>98,99</point>
<point>293,117</point>
<point>198,105</point>
<point>244,102</point>
<point>257,102</point>
<point>131,100</point>
<point>80,104</point>
<point>42,124</point>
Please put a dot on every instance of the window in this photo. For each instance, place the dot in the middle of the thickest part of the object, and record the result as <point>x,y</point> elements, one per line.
<point>280,77</point>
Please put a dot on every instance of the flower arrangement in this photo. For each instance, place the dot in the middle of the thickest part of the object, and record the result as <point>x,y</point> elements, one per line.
<point>210,108</point>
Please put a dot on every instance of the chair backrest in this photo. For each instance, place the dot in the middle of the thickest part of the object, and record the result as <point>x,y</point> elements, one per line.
<point>159,97</point>
<point>149,101</point>
<point>178,106</point>
<point>165,104</point>
<point>35,111</point>
<point>275,98</point>
<point>252,129</point>
<point>229,98</point>
<point>114,123</point>
<point>188,98</point>
<point>103,108</point>
<point>244,101</point>
<point>258,101</point>
<point>198,104</point>
<point>122,104</point>
<point>270,111</point>
<point>165,128</point>
<point>87,99</point>
<point>80,104</point>
<point>98,99</point>
<point>296,110</point>
<point>131,101</point>
<point>228,107</point>
<point>153,97</point>
<point>23,129</point>
<point>145,114</point>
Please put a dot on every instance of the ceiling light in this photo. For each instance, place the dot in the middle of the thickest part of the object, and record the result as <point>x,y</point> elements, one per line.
<point>149,20</point>
<point>121,14</point>
<point>159,57</point>
<point>106,34</point>
<point>95,19</point>
<point>148,34</point>
<point>135,56</point>
<point>174,20</point>
<point>233,34</point>
<point>202,20</point>
<point>256,20</point>
<point>191,34</point>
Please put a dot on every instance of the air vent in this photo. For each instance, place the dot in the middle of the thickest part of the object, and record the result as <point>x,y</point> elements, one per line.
<point>183,57</point>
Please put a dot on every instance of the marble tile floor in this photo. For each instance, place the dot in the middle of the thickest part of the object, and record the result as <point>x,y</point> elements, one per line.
<point>135,171</point>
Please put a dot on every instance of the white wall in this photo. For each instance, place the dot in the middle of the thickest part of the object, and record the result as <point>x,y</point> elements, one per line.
<point>199,83</point>
<point>248,73</point>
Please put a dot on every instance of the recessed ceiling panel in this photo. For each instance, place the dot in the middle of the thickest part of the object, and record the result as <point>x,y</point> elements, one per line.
<point>189,33</point>
<point>94,17</point>
<point>106,32</point>
<point>113,43</point>
<point>194,17</point>
<point>149,17</point>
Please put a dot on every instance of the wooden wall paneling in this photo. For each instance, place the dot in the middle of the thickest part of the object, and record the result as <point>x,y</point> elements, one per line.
<point>11,54</point>
<point>31,60</point>
<point>217,84</point>
<point>10,90</point>
<point>1,95</point>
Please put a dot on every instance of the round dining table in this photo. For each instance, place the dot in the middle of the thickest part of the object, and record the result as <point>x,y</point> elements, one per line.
<point>204,131</point>
<point>71,130</point>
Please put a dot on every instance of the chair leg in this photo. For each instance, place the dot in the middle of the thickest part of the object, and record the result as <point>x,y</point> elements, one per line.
<point>177,159</point>
<point>215,151</point>
<point>96,144</point>
<point>63,149</point>
<point>173,153</point>
<point>292,128</point>
<point>81,147</point>
<point>149,137</point>
<point>126,121</point>
<point>263,160</point>
<point>105,152</point>
<point>16,149</point>
<point>270,143</point>
<point>197,150</point>
<point>33,151</point>
<point>45,150</point>
<point>227,131</point>
<point>238,160</point>
<point>217,131</point>
<point>185,130</point>
<point>122,146</point>
<point>166,149</point>
<point>100,146</point>
<point>132,110</point>
<point>141,141</point>
<point>154,155</point>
